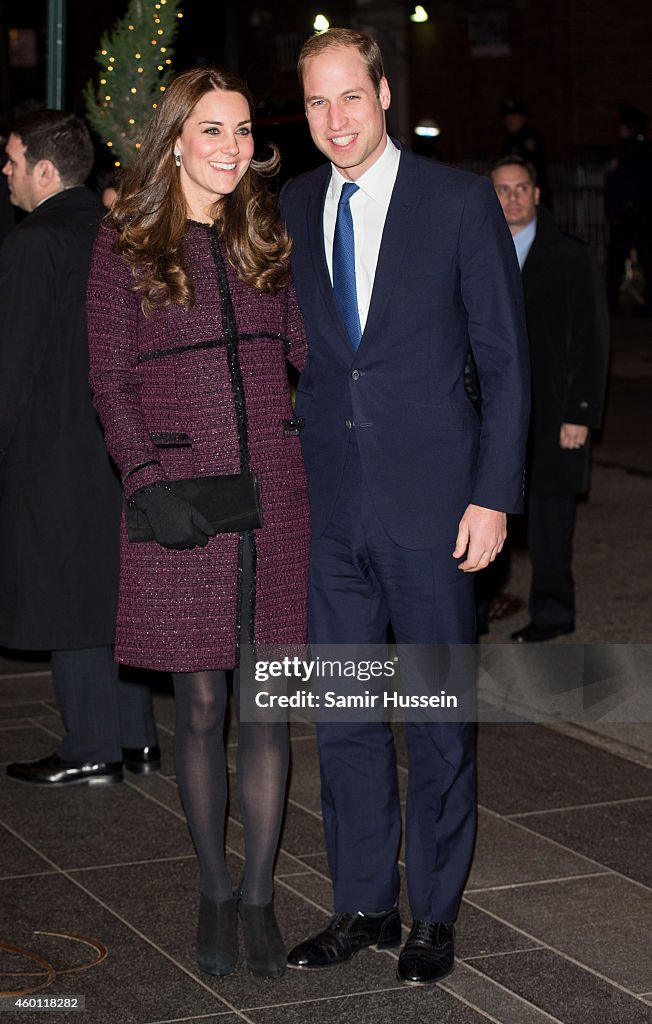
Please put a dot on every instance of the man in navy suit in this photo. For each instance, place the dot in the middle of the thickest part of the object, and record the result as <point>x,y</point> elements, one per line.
<point>409,490</point>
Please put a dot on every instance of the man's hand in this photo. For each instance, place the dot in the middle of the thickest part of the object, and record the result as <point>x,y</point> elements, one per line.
<point>573,435</point>
<point>481,535</point>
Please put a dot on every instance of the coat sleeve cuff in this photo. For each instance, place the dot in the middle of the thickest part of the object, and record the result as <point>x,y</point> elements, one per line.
<point>503,496</point>
<point>150,472</point>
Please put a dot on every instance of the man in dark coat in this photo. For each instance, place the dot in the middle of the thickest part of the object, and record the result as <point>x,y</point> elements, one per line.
<point>568,328</point>
<point>60,498</point>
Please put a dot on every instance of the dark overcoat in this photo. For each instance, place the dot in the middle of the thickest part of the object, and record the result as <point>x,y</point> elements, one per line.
<point>59,494</point>
<point>199,392</point>
<point>568,328</point>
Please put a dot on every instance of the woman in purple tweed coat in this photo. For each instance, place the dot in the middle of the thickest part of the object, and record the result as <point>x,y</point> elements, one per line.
<point>191,318</point>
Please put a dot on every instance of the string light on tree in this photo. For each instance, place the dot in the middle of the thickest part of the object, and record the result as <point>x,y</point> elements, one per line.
<point>138,74</point>
<point>419,15</point>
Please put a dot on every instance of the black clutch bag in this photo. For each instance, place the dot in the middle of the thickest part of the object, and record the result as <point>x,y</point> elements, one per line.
<point>229,503</point>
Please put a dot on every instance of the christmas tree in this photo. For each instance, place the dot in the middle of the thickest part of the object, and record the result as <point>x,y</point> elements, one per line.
<point>135,61</point>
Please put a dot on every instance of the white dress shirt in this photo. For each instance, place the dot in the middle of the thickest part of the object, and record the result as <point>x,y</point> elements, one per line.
<point>523,241</point>
<point>369,208</point>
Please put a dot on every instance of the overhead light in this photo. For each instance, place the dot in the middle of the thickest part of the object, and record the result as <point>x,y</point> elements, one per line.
<point>427,128</point>
<point>420,14</point>
<point>321,23</point>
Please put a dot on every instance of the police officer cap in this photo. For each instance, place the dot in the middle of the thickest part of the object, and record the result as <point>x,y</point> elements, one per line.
<point>512,106</point>
<point>634,118</point>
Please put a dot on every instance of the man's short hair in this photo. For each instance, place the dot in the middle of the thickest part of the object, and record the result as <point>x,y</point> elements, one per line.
<point>60,137</point>
<point>514,160</point>
<point>335,38</point>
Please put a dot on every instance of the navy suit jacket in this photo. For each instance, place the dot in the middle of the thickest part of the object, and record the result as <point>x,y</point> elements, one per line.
<point>447,280</point>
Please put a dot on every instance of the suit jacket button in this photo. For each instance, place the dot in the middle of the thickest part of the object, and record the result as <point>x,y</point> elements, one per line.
<point>348,424</point>
<point>355,375</point>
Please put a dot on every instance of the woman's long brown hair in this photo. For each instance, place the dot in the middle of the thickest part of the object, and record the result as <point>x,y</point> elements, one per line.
<point>151,214</point>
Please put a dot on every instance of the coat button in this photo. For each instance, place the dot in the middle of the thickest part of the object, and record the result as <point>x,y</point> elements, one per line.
<point>348,424</point>
<point>355,375</point>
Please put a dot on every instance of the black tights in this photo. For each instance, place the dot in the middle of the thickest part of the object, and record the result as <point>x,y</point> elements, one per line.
<point>261,764</point>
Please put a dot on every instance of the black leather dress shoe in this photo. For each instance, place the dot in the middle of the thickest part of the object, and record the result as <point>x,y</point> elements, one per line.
<point>536,633</point>
<point>428,955</point>
<point>52,771</point>
<point>142,760</point>
<point>346,935</point>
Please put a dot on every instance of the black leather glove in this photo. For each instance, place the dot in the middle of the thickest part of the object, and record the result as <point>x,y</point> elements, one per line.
<point>175,522</point>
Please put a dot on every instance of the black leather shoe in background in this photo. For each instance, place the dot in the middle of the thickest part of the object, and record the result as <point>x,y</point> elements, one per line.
<point>347,934</point>
<point>428,954</point>
<point>52,771</point>
<point>141,760</point>
<point>535,633</point>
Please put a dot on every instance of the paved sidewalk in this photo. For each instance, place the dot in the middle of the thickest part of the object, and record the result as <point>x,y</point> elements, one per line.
<point>557,916</point>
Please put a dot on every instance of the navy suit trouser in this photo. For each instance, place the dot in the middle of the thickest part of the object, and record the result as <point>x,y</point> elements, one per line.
<point>361,580</point>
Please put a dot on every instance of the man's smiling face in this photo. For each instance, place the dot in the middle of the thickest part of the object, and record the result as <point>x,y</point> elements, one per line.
<point>345,114</point>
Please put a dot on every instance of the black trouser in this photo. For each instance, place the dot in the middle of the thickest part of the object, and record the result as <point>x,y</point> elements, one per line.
<point>101,712</point>
<point>550,525</point>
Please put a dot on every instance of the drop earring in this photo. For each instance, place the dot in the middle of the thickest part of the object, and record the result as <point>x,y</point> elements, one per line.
<point>177,159</point>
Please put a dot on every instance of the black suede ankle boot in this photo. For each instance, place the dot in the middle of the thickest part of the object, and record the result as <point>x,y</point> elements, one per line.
<point>217,936</point>
<point>264,947</point>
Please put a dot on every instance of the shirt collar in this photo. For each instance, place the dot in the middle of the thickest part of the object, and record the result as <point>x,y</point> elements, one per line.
<point>65,188</point>
<point>523,241</point>
<point>378,181</point>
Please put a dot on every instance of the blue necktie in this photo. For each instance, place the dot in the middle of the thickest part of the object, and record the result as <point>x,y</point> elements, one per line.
<point>344,265</point>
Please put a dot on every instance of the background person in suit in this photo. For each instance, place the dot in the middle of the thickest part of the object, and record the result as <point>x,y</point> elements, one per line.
<point>60,498</point>
<point>408,489</point>
<point>568,329</point>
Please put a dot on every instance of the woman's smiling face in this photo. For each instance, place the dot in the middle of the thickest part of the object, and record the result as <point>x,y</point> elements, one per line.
<point>216,148</point>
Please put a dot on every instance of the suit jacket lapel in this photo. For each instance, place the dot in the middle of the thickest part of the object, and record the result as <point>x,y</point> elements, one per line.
<point>537,258</point>
<point>396,234</point>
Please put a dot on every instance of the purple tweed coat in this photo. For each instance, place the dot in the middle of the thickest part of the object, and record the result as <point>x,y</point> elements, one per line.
<point>199,392</point>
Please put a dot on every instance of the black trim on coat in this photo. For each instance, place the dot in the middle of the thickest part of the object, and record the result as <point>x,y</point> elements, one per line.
<point>231,340</point>
<point>198,346</point>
